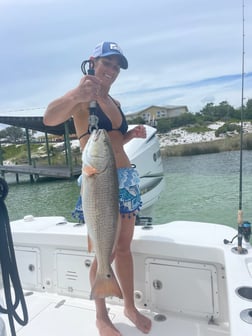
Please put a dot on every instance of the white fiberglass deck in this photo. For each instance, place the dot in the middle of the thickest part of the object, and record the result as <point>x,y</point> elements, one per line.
<point>185,280</point>
<point>53,315</point>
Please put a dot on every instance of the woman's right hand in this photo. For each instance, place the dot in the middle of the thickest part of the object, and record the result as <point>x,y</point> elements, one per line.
<point>64,107</point>
<point>88,89</point>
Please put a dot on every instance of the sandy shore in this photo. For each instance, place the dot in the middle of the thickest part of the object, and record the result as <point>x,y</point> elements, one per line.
<point>181,136</point>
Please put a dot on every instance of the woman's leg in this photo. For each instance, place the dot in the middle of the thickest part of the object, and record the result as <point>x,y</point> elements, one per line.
<point>124,271</point>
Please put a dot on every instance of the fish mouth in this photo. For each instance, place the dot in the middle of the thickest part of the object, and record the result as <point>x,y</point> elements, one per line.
<point>97,133</point>
<point>96,136</point>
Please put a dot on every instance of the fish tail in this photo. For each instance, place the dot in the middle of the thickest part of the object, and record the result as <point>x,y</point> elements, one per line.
<point>106,286</point>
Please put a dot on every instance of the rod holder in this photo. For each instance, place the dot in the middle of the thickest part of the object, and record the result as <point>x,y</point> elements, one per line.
<point>244,232</point>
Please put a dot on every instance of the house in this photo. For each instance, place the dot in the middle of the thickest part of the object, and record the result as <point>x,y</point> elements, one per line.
<point>152,113</point>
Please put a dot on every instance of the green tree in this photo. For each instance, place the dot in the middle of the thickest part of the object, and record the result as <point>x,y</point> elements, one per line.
<point>184,119</point>
<point>138,120</point>
<point>13,134</point>
<point>248,110</point>
<point>164,125</point>
<point>228,128</point>
<point>208,112</point>
<point>223,111</point>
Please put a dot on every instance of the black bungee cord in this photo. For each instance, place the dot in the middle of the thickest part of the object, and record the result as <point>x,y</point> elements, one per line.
<point>8,265</point>
<point>83,66</point>
<point>93,118</point>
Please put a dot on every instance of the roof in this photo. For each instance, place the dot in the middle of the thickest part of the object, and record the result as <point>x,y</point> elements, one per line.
<point>33,119</point>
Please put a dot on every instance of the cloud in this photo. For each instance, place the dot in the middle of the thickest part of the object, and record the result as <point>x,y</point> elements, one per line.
<point>179,52</point>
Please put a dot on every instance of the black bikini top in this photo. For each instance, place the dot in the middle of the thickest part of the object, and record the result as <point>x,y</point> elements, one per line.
<point>105,123</point>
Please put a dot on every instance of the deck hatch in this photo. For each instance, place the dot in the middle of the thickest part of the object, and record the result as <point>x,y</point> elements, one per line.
<point>72,273</point>
<point>182,287</point>
<point>28,263</point>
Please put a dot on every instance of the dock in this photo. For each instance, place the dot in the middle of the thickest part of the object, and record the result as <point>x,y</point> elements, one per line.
<point>35,173</point>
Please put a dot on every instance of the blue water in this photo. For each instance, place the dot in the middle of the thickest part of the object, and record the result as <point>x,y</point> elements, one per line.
<point>201,188</point>
<point>206,188</point>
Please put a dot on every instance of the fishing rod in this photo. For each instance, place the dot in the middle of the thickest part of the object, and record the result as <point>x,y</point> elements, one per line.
<point>244,227</point>
<point>240,214</point>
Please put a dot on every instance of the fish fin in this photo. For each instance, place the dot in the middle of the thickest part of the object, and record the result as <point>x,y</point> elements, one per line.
<point>90,244</point>
<point>89,170</point>
<point>118,230</point>
<point>104,287</point>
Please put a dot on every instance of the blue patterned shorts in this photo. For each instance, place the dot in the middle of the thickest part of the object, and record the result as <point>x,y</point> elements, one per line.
<point>129,191</point>
<point>129,194</point>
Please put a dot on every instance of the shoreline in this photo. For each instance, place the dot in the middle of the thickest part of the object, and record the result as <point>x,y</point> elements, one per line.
<point>180,136</point>
<point>179,142</point>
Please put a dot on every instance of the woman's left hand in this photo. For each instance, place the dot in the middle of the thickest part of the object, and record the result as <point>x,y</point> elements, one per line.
<point>138,132</point>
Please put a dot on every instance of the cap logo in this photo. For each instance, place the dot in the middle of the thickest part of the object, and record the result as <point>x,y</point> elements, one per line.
<point>114,46</point>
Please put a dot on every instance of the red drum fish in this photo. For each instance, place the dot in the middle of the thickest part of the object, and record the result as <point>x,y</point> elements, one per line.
<point>101,210</point>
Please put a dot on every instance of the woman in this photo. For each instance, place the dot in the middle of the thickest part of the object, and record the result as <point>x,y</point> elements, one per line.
<point>107,60</point>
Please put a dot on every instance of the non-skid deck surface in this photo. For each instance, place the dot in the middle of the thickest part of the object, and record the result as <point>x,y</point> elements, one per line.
<point>54,315</point>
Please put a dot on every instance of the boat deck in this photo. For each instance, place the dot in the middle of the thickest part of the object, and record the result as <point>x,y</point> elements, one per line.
<point>186,280</point>
<point>54,315</point>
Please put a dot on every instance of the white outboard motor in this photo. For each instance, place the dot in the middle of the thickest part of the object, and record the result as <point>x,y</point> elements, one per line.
<point>146,156</point>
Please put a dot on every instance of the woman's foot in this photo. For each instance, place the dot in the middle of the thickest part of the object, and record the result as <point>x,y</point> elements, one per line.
<point>106,328</point>
<point>142,322</point>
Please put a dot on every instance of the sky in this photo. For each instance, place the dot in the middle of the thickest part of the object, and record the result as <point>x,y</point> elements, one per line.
<point>180,52</point>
